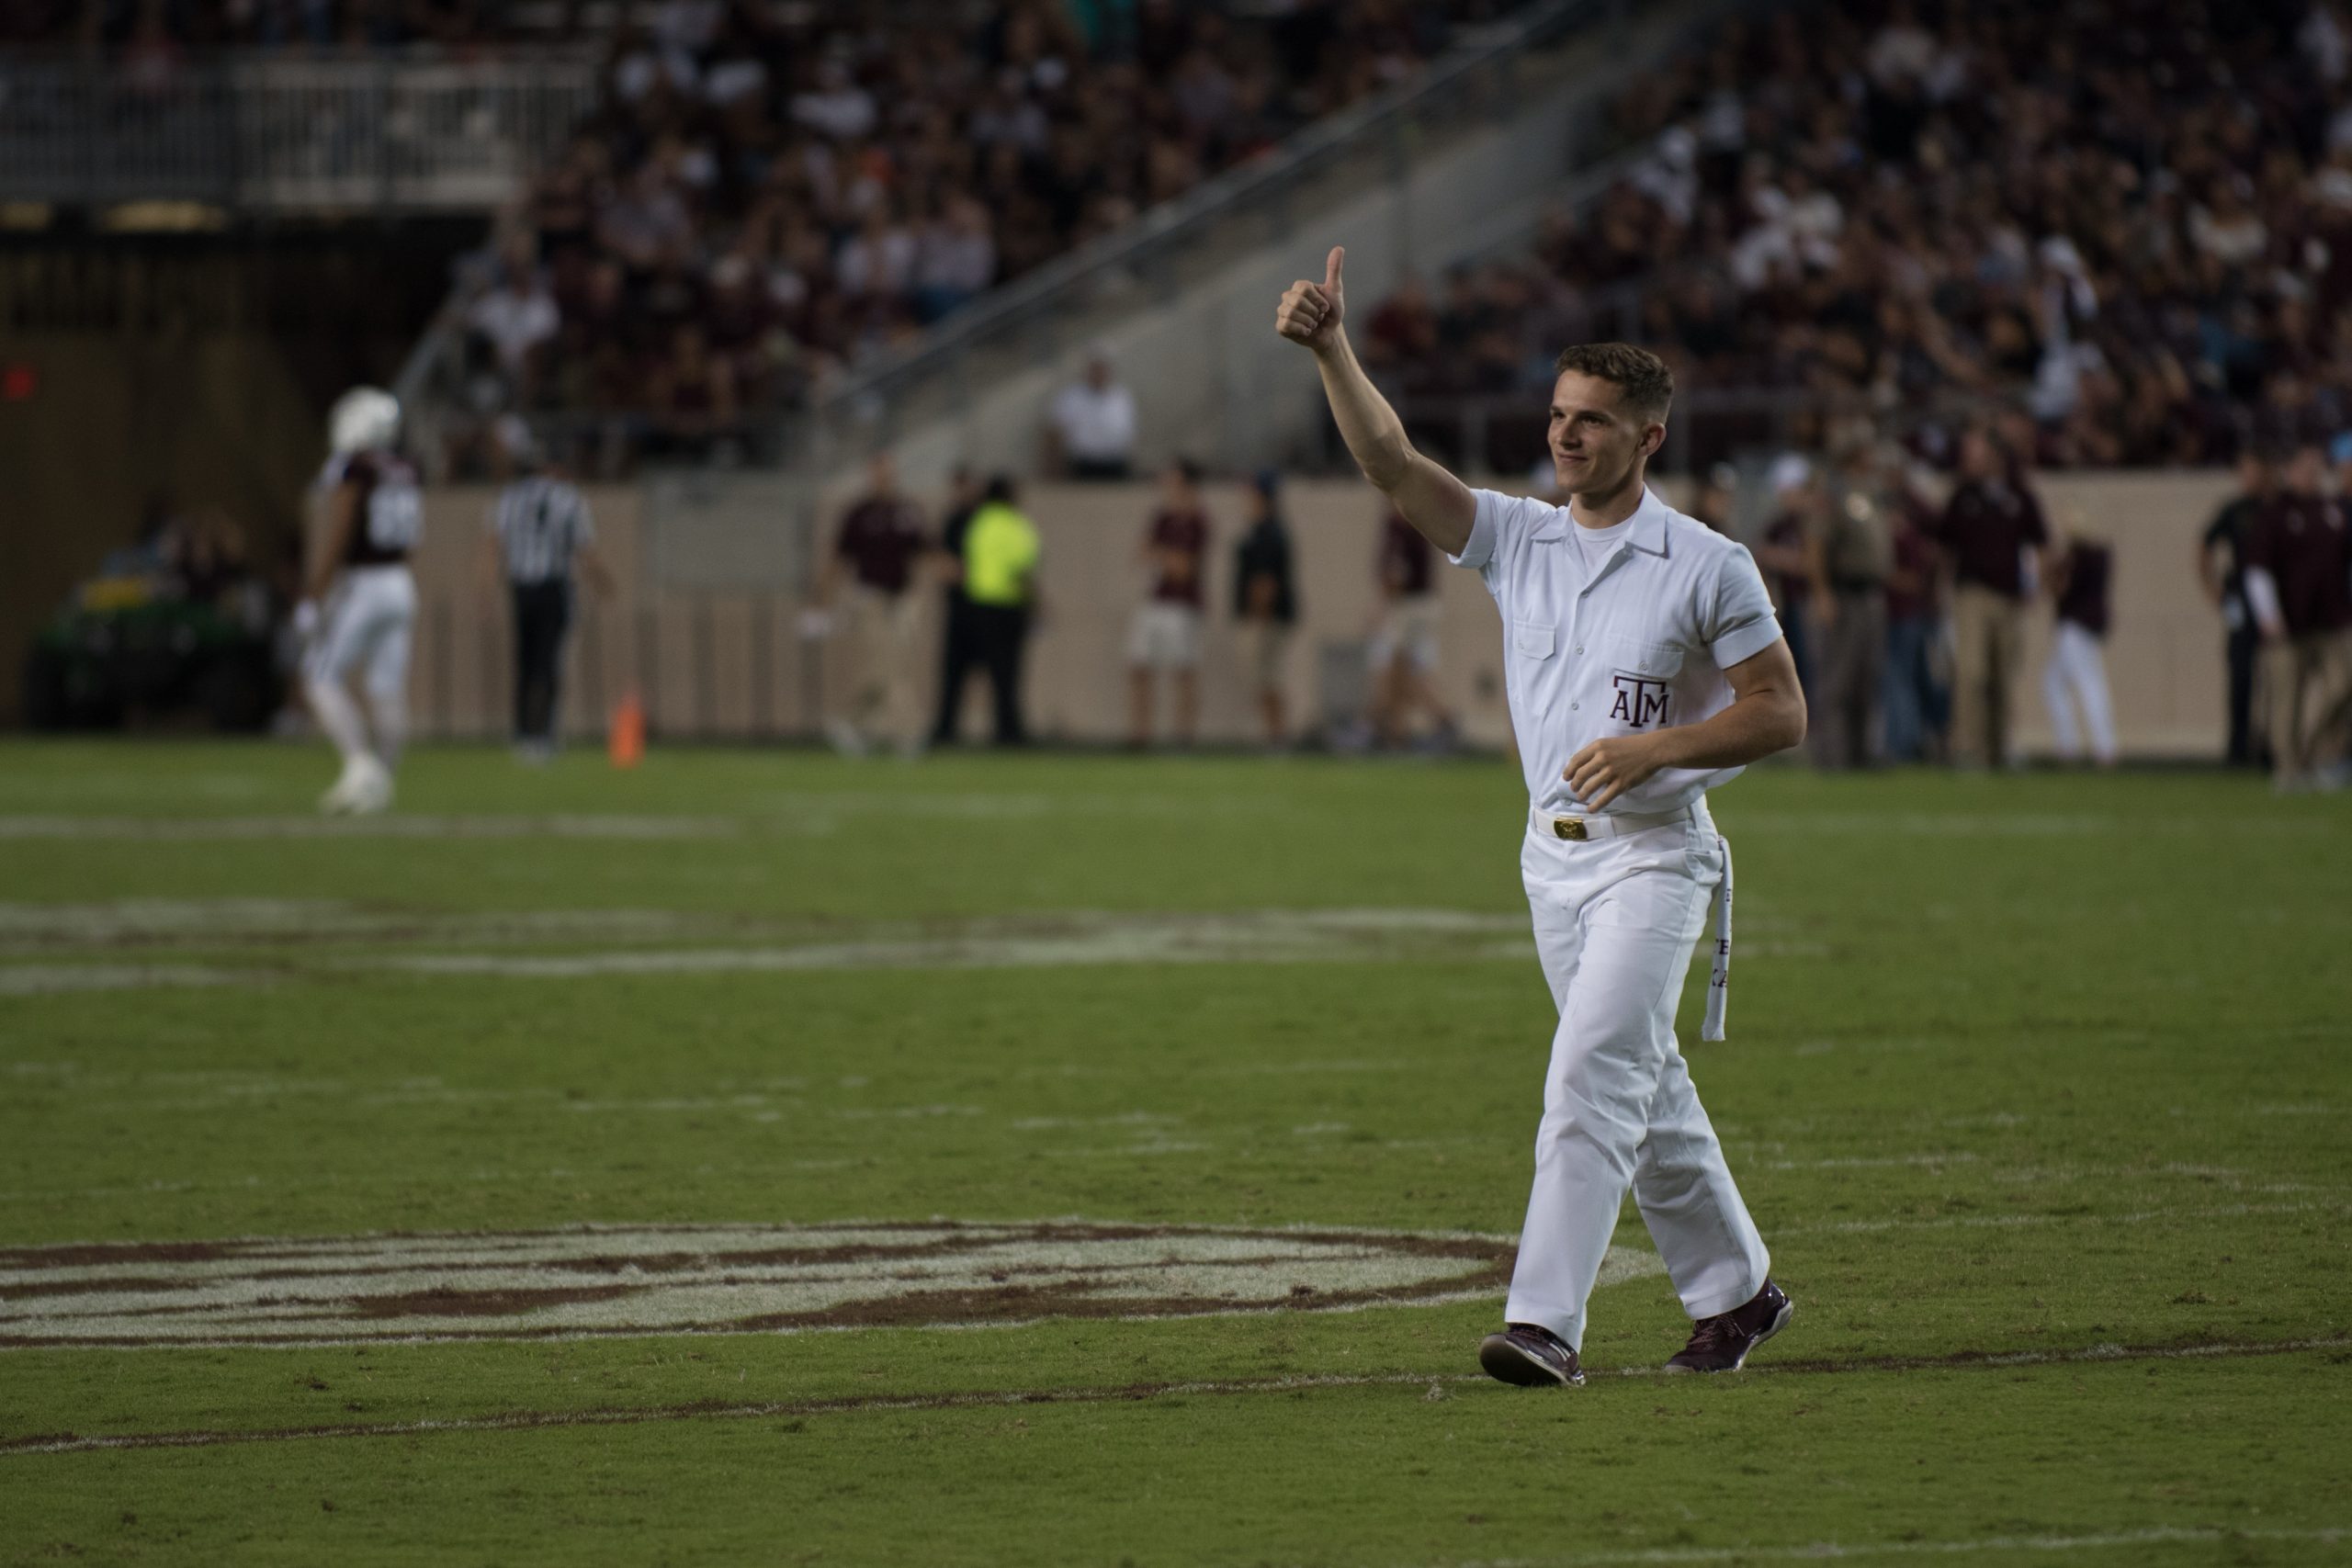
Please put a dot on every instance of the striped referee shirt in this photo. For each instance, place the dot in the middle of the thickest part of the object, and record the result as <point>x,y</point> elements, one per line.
<point>539,522</point>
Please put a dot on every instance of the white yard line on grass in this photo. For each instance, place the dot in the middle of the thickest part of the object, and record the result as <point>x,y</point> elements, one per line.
<point>198,829</point>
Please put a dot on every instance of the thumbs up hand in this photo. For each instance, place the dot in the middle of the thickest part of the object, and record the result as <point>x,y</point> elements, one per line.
<point>1311,312</point>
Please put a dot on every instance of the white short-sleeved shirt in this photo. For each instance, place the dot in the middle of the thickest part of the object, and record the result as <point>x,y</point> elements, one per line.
<point>1638,645</point>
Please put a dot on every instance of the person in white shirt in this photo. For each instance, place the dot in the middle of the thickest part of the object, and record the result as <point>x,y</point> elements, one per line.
<point>1642,666</point>
<point>1094,425</point>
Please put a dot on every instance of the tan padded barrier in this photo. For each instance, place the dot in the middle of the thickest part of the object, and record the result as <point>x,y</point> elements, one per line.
<point>722,666</point>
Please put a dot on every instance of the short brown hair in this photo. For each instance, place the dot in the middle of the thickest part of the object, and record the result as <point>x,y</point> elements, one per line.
<point>1641,376</point>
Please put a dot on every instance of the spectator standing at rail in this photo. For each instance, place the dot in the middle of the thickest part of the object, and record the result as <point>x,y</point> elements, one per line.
<point>2220,566</point>
<point>871,576</point>
<point>2299,585</point>
<point>1993,533</point>
<point>1166,634</point>
<point>1000,553</point>
<point>1916,698</point>
<point>2081,584</point>
<point>1850,552</point>
<point>1265,603</point>
<point>540,529</point>
<point>1093,428</point>
<point>1797,499</point>
<point>1403,652</point>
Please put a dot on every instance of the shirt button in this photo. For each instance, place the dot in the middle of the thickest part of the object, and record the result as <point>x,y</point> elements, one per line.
<point>1579,648</point>
<point>1573,706</point>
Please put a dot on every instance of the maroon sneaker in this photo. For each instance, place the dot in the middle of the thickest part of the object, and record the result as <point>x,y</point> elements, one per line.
<point>1531,1355</point>
<point>1720,1344</point>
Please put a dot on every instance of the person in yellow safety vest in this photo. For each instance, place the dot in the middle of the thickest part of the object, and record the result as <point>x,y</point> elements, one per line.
<point>1001,592</point>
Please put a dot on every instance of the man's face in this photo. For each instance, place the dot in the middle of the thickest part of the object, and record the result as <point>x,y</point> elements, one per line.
<point>1596,441</point>
<point>2305,469</point>
<point>1977,458</point>
<point>2254,475</point>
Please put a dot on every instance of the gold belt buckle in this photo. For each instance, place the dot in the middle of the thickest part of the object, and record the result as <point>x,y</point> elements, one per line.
<point>1570,828</point>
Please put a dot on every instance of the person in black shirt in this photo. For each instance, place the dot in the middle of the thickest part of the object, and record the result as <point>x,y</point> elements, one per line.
<point>1265,603</point>
<point>2220,566</point>
<point>959,649</point>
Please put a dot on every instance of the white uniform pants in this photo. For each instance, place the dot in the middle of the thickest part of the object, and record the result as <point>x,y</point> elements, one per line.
<point>2077,673</point>
<point>366,627</point>
<point>1615,920</point>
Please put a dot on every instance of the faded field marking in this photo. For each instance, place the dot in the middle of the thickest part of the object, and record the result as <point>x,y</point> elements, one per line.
<point>652,1280</point>
<point>53,979</point>
<point>533,1420</point>
<point>1836,1551</point>
<point>2004,1221</point>
<point>393,825</point>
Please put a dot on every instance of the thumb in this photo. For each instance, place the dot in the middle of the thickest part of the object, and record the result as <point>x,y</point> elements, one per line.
<point>1331,264</point>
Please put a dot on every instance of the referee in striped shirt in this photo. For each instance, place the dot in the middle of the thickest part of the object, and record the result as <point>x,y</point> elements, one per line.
<point>539,530</point>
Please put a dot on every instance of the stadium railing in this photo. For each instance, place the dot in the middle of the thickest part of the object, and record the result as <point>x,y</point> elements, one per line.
<point>272,135</point>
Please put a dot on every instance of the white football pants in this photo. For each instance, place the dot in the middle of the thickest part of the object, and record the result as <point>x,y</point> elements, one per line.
<point>365,626</point>
<point>1615,920</point>
<point>2077,673</point>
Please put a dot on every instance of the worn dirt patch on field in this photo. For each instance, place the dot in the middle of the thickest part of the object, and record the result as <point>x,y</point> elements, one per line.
<point>687,1279</point>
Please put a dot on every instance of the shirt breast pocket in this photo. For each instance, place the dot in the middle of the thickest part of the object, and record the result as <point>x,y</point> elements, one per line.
<point>1534,639</point>
<point>1641,683</point>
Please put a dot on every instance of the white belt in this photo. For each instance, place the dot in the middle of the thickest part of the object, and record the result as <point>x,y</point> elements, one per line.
<point>1614,825</point>
<point>1617,824</point>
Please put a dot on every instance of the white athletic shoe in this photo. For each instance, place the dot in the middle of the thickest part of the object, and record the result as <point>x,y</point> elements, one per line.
<point>374,790</point>
<point>845,737</point>
<point>344,798</point>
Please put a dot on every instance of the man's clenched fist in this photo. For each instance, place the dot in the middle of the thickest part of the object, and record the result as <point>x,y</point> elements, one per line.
<point>1311,312</point>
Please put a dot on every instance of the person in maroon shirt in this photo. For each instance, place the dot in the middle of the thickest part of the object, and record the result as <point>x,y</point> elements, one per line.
<point>1166,634</point>
<point>2076,673</point>
<point>1993,533</point>
<point>2299,584</point>
<point>871,574</point>
<point>1403,650</point>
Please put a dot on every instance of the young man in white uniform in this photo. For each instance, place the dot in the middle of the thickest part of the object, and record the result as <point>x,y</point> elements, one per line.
<point>1643,665</point>
<point>374,518</point>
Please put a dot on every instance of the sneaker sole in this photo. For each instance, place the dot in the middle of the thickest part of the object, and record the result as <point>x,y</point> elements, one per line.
<point>1779,1321</point>
<point>1505,1362</point>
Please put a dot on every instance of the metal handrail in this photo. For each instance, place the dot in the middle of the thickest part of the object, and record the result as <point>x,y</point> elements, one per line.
<point>261,131</point>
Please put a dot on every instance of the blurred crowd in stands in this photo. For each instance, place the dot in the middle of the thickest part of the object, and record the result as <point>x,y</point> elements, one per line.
<point>768,194</point>
<point>2132,218</point>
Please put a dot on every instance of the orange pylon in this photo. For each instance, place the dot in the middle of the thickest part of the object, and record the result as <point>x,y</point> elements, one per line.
<point>624,742</point>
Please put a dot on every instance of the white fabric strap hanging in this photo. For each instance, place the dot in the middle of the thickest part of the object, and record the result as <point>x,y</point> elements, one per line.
<point>1719,975</point>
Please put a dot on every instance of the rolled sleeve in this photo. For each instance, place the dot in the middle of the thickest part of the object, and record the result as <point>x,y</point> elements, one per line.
<point>1478,549</point>
<point>1740,625</point>
<point>1498,518</point>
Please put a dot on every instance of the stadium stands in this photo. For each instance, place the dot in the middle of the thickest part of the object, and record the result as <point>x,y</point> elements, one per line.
<point>763,198</point>
<point>2134,220</point>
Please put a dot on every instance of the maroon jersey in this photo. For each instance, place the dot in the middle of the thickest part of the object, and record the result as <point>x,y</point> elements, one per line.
<point>1404,558</point>
<point>2089,571</point>
<point>1787,532</point>
<point>1185,536</point>
<point>880,538</point>
<point>388,511</point>
<point>2299,540</point>
<point>1986,522</point>
<point>1915,560</point>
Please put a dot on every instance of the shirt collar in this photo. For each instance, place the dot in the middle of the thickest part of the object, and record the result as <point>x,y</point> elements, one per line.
<point>1649,524</point>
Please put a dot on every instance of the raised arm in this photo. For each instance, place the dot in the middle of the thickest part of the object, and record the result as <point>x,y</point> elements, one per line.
<point>1427,497</point>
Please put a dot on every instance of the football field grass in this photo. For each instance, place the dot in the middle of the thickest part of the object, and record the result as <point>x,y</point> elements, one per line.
<point>757,1158</point>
